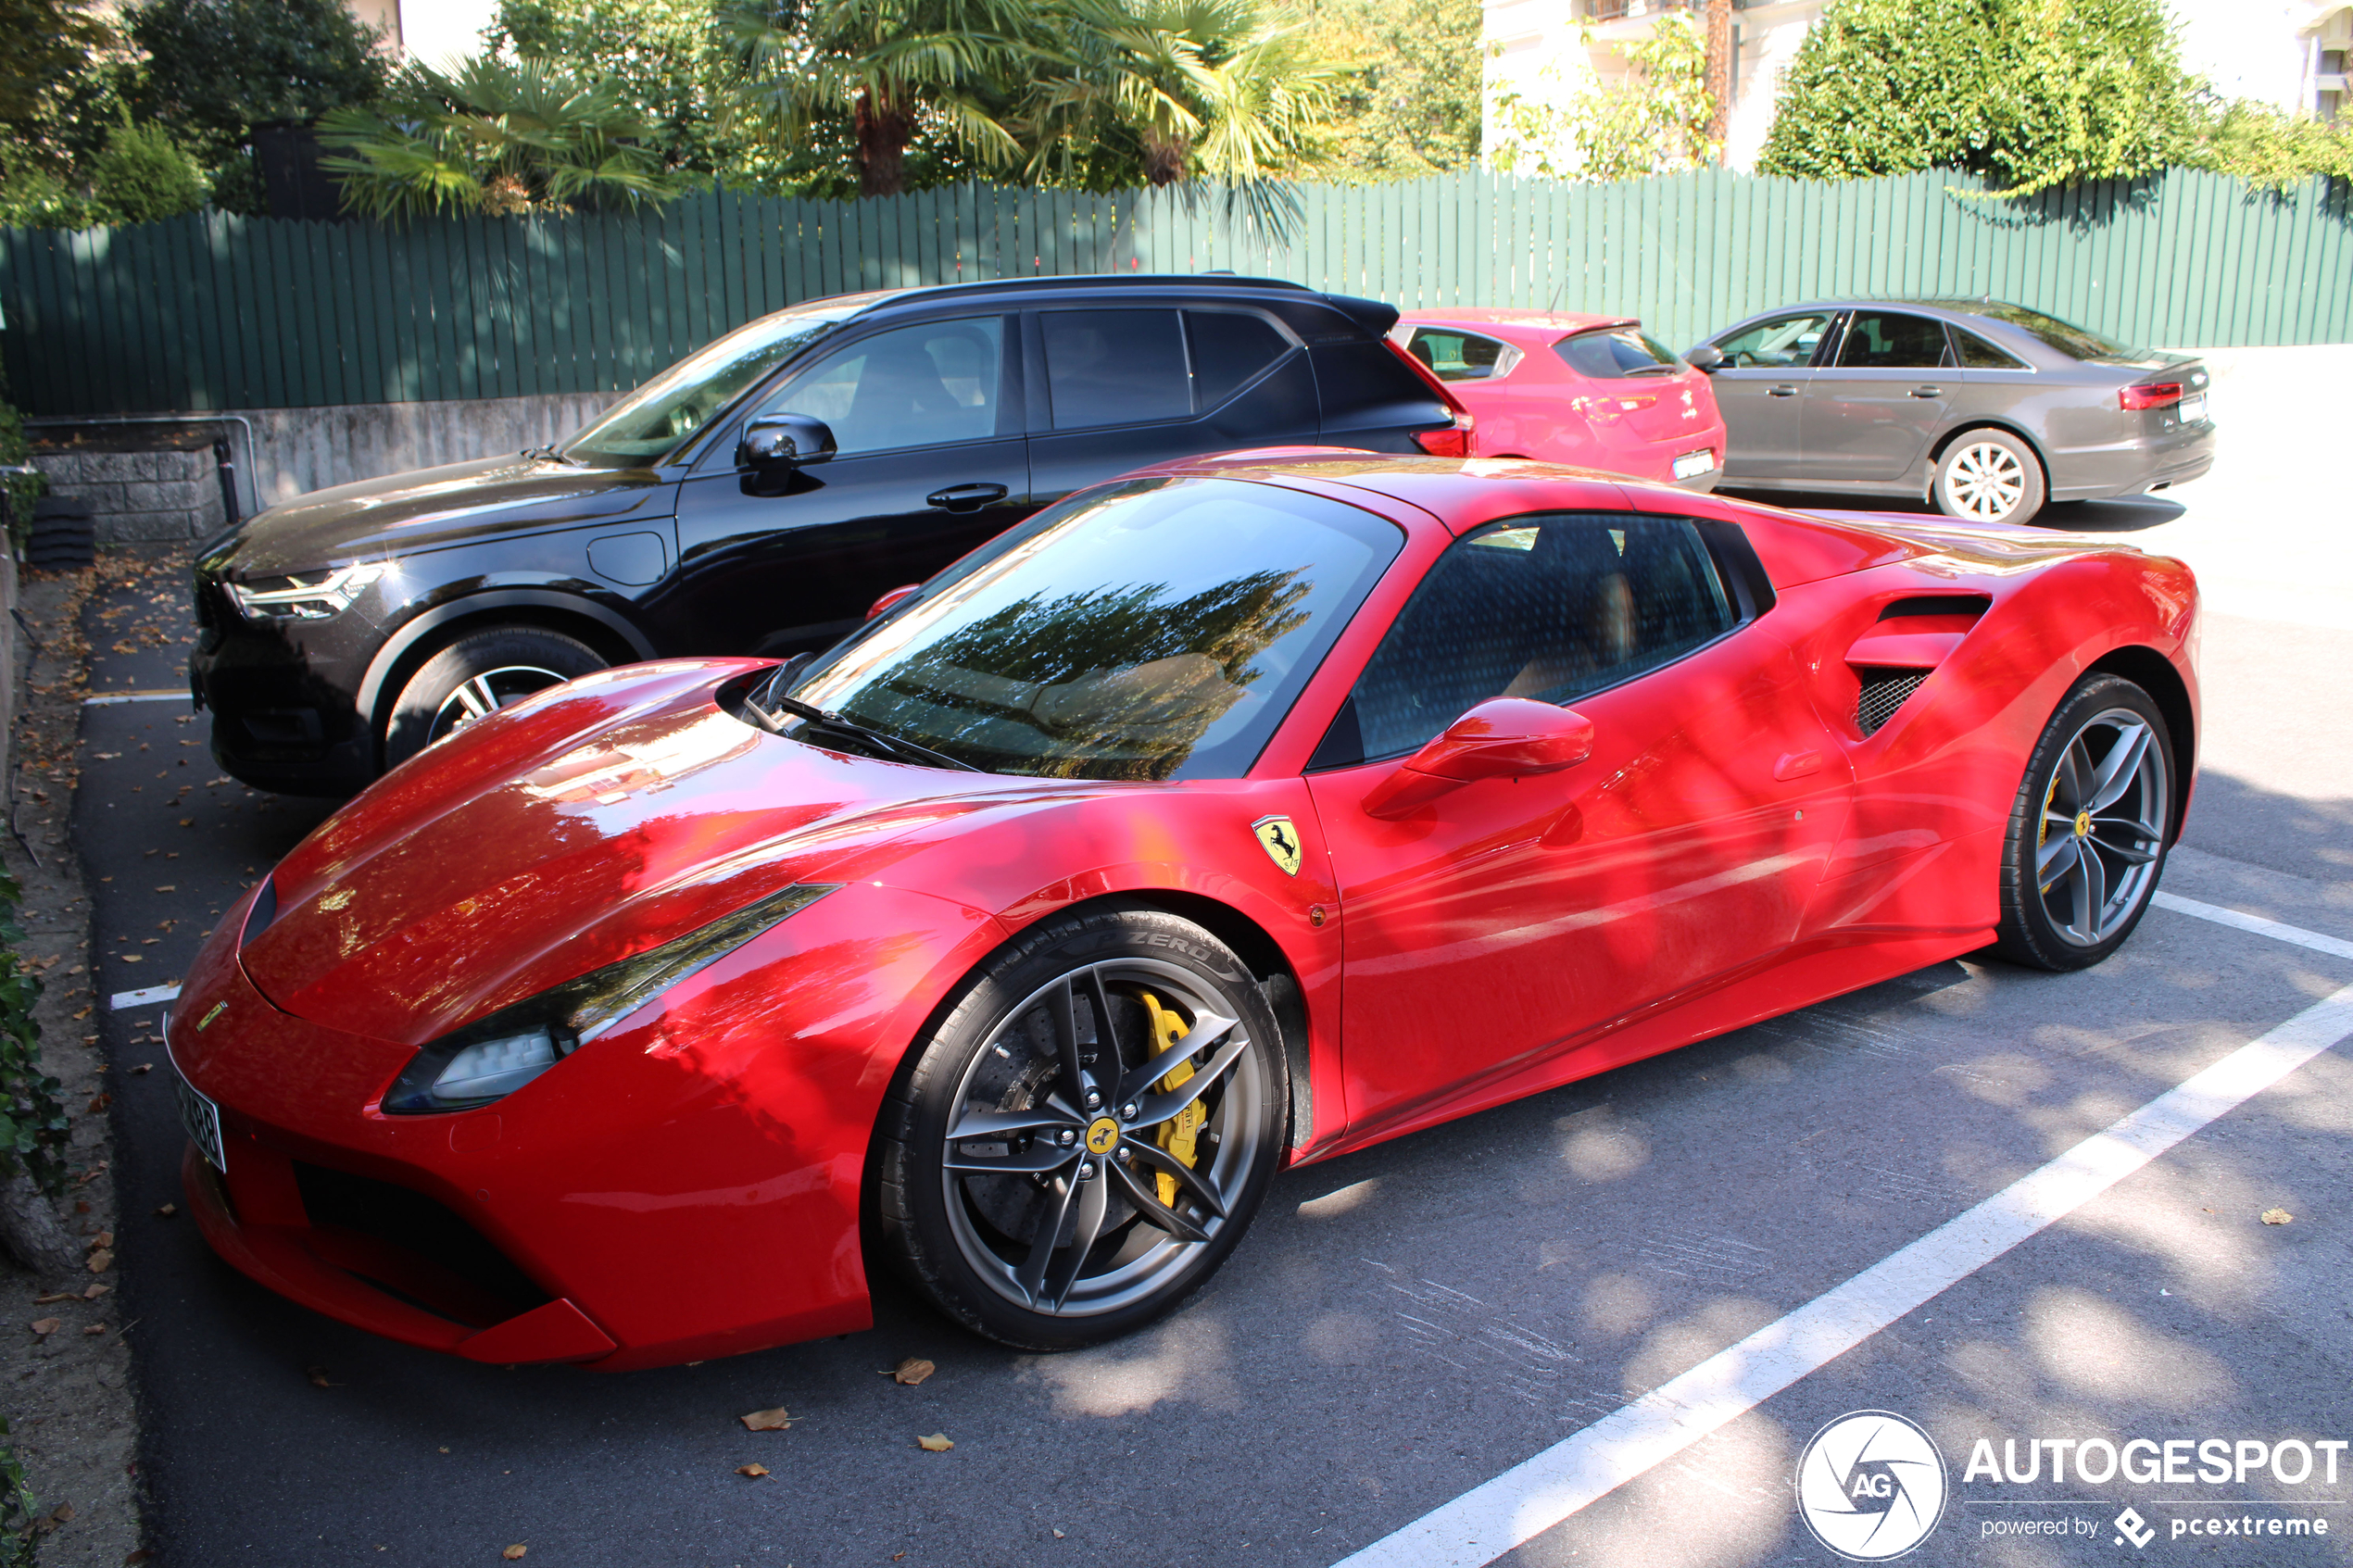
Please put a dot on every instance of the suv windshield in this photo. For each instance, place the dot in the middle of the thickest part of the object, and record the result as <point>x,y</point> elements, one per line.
<point>651,423</point>
<point>1151,630</point>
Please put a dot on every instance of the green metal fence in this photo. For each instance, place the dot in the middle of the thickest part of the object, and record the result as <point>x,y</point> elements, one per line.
<point>209,311</point>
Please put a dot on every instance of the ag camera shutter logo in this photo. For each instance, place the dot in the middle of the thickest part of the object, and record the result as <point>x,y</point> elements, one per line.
<point>1870,1486</point>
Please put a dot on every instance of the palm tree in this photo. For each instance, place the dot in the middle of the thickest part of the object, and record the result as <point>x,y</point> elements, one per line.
<point>893,67</point>
<point>1227,90</point>
<point>498,136</point>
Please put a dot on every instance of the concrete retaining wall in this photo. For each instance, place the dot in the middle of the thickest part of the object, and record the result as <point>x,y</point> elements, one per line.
<point>140,494</point>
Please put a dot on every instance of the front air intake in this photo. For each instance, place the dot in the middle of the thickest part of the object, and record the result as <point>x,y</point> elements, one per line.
<point>1884,692</point>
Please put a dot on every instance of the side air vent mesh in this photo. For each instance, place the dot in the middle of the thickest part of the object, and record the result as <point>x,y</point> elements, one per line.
<point>1884,692</point>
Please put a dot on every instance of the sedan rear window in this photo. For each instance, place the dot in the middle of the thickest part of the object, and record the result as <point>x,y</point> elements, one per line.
<point>1152,629</point>
<point>2076,343</point>
<point>1614,355</point>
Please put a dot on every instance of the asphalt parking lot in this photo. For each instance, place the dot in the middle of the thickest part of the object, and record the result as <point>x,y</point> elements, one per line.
<point>1409,1323</point>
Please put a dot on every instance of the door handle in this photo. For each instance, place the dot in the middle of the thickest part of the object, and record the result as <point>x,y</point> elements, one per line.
<point>1783,391</point>
<point>966,497</point>
<point>1927,392</point>
<point>1797,764</point>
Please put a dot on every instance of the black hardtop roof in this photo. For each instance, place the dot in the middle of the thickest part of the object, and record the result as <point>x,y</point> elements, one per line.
<point>1375,316</point>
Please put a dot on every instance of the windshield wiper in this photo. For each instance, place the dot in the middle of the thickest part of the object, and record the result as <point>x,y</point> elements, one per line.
<point>549,454</point>
<point>891,745</point>
<point>1655,370</point>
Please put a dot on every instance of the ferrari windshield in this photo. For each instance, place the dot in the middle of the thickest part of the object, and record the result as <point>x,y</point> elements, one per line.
<point>1151,630</point>
<point>654,421</point>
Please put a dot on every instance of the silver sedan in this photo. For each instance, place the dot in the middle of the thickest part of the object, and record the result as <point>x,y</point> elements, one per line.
<point>1988,409</point>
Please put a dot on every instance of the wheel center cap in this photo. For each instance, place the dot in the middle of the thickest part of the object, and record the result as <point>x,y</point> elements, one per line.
<point>2083,824</point>
<point>1103,1135</point>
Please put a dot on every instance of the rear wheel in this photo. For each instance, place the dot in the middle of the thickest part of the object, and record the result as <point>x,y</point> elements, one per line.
<point>1084,1139</point>
<point>2088,836</point>
<point>479,673</point>
<point>1989,476</point>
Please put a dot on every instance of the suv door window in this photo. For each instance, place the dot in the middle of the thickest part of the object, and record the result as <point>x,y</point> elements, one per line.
<point>1455,355</point>
<point>1547,607</point>
<point>1783,343</point>
<point>1229,349</point>
<point>1878,340</point>
<point>926,386</point>
<point>1115,366</point>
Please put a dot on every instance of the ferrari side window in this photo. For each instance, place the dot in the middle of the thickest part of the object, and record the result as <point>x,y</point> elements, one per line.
<point>1545,608</point>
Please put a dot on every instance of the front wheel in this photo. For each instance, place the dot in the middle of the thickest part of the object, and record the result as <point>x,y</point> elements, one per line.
<point>1989,476</point>
<point>2088,836</point>
<point>479,673</point>
<point>1084,1139</point>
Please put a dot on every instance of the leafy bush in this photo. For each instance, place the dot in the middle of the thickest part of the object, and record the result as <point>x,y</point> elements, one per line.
<point>1653,121</point>
<point>33,1121</point>
<point>2267,147</point>
<point>143,176</point>
<point>2028,92</point>
<point>17,1507</point>
<point>1408,103</point>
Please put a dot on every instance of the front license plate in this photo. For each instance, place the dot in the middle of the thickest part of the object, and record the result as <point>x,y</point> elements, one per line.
<point>2192,408</point>
<point>1691,463</point>
<point>202,1118</point>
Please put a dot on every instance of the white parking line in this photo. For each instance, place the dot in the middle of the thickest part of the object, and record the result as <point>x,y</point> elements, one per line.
<point>1529,1498</point>
<point>143,998</point>
<point>2256,924</point>
<point>108,697</point>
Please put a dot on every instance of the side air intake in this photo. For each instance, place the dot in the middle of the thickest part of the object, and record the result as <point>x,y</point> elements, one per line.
<point>1884,692</point>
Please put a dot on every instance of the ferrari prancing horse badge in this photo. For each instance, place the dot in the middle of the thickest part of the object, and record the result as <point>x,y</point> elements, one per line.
<point>1280,840</point>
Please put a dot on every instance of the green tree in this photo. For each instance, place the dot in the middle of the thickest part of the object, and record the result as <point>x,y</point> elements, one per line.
<point>142,176</point>
<point>498,136</point>
<point>893,69</point>
<point>2265,147</point>
<point>1655,120</point>
<point>2030,93</point>
<point>44,46</point>
<point>1408,103</point>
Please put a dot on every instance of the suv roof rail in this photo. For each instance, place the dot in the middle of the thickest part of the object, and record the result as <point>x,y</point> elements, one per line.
<point>1091,280</point>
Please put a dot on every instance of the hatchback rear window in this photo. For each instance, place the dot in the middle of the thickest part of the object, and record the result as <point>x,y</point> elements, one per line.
<point>1615,355</point>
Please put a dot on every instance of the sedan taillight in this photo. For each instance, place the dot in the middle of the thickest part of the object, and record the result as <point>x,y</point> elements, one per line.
<point>2152,394</point>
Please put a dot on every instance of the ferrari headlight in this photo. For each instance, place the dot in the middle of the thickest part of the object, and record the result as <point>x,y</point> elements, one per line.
<point>306,596</point>
<point>494,1057</point>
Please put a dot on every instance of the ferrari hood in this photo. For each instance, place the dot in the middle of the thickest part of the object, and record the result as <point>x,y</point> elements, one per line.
<point>408,512</point>
<point>573,830</point>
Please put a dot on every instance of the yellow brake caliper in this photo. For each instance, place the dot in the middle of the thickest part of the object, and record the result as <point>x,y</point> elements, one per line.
<point>1176,1135</point>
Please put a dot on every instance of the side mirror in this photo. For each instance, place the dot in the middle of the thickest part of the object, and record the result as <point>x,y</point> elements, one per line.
<point>1707,359</point>
<point>788,440</point>
<point>1502,737</point>
<point>884,603</point>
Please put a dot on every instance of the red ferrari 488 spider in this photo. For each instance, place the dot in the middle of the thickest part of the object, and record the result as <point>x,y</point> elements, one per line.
<point>1235,815</point>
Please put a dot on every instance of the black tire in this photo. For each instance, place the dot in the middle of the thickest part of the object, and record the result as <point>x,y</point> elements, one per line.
<point>966,1235</point>
<point>2061,910</point>
<point>506,662</point>
<point>1988,476</point>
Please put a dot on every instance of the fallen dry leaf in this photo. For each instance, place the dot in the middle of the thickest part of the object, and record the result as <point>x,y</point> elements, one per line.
<point>143,1068</point>
<point>103,1238</point>
<point>101,1261</point>
<point>776,1420</point>
<point>911,1370</point>
<point>514,1552</point>
<point>317,1375</point>
<point>937,1443</point>
<point>168,1211</point>
<point>2276,1216</point>
<point>46,1325</point>
<point>95,1328</point>
<point>95,1291</point>
<point>56,1296</point>
<point>753,1470</point>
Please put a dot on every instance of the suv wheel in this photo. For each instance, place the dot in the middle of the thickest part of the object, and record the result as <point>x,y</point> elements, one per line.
<point>479,673</point>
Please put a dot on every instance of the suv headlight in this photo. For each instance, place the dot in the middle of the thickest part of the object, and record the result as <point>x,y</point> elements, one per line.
<point>306,596</point>
<point>494,1057</point>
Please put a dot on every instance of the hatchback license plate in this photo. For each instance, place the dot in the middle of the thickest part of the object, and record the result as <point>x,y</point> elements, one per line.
<point>1691,463</point>
<point>2192,410</point>
<point>201,1117</point>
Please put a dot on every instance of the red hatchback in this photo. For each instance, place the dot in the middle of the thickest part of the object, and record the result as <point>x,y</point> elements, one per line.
<point>1595,391</point>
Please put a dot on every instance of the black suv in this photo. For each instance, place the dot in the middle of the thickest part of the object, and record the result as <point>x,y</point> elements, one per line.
<point>758,496</point>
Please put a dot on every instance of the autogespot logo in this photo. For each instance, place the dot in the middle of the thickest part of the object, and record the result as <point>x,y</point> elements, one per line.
<point>1870,1486</point>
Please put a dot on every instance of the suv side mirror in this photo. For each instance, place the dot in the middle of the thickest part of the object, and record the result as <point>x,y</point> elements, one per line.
<point>1707,359</point>
<point>788,440</point>
<point>1502,737</point>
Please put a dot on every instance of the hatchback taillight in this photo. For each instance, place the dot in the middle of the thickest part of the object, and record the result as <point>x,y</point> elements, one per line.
<point>2152,394</point>
<point>1455,440</point>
